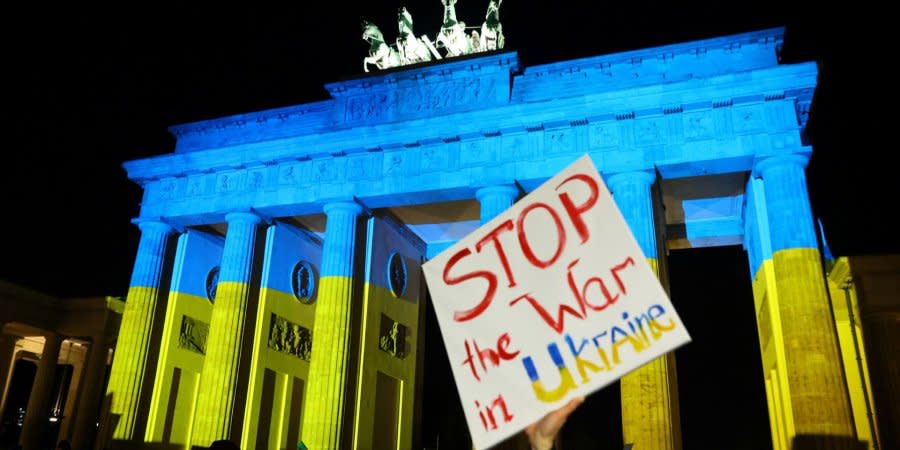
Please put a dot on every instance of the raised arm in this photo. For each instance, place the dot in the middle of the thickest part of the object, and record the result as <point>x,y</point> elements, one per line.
<point>542,433</point>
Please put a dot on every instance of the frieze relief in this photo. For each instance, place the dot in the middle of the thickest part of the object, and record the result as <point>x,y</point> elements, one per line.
<point>517,147</point>
<point>229,182</point>
<point>394,163</point>
<point>396,166</point>
<point>434,158</point>
<point>195,185</point>
<point>256,179</point>
<point>603,135</point>
<point>291,174</point>
<point>698,125</point>
<point>325,170</point>
<point>392,337</point>
<point>175,189</point>
<point>367,107</point>
<point>650,131</point>
<point>559,141</point>
<point>747,119</point>
<point>167,189</point>
<point>289,338</point>
<point>193,335</point>
<point>360,167</point>
<point>419,100</point>
<point>477,152</point>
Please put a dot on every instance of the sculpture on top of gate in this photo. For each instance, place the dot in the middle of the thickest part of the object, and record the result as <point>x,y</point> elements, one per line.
<point>452,39</point>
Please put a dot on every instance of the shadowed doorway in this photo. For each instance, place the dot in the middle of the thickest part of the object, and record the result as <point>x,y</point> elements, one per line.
<point>720,381</point>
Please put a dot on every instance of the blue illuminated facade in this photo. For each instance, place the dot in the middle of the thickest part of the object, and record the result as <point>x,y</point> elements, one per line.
<point>441,132</point>
<point>711,129</point>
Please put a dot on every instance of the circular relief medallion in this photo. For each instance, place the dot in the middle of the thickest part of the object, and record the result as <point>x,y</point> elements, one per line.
<point>212,282</point>
<point>303,282</point>
<point>396,274</point>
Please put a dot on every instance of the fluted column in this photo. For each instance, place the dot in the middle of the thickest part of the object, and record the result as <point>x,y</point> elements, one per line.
<point>215,412</point>
<point>326,398</point>
<point>818,397</point>
<point>631,191</point>
<point>38,409</point>
<point>7,352</point>
<point>88,409</point>
<point>649,394</point>
<point>495,199</point>
<point>129,366</point>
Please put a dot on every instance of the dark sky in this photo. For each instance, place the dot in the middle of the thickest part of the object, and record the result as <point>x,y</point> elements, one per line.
<point>88,87</point>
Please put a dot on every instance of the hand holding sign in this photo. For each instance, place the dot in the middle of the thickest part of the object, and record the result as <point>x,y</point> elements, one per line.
<point>547,302</point>
<point>542,433</point>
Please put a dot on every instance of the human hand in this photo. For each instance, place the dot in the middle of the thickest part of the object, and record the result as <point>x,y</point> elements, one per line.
<point>542,433</point>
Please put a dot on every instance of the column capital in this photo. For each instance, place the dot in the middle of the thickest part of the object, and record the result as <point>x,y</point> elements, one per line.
<point>762,166</point>
<point>155,224</point>
<point>642,176</point>
<point>347,207</point>
<point>505,190</point>
<point>243,216</point>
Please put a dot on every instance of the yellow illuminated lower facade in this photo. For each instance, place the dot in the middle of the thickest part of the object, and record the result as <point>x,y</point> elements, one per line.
<point>650,402</point>
<point>792,322</point>
<point>373,360</point>
<point>129,369</point>
<point>177,380</point>
<point>277,378</point>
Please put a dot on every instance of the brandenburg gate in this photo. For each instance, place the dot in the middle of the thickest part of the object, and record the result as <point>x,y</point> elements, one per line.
<point>276,293</point>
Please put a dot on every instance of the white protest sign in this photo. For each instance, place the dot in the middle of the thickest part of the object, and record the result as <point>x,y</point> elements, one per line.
<point>548,301</point>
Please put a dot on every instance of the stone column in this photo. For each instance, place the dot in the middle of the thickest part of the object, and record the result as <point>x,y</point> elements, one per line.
<point>216,406</point>
<point>649,395</point>
<point>817,389</point>
<point>129,368</point>
<point>38,409</point>
<point>90,395</point>
<point>7,352</point>
<point>495,199</point>
<point>328,378</point>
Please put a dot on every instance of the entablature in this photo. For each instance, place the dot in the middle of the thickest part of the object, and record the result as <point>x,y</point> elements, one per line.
<point>426,134</point>
<point>482,81</point>
<point>758,94</point>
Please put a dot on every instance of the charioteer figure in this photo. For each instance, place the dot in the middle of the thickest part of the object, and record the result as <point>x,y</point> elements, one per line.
<point>412,49</point>
<point>492,30</point>
<point>452,37</point>
<point>453,32</point>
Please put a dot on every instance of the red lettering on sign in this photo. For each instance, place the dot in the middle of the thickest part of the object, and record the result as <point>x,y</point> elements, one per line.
<point>507,225</point>
<point>523,240</point>
<point>499,402</point>
<point>618,268</point>
<point>557,324</point>
<point>582,296</point>
<point>462,316</point>
<point>575,212</point>
<point>502,344</point>
<point>502,353</point>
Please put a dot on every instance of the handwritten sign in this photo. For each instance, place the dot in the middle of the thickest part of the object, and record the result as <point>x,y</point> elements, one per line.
<point>548,301</point>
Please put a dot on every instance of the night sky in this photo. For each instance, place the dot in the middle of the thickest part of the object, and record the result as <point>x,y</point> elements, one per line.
<point>87,87</point>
